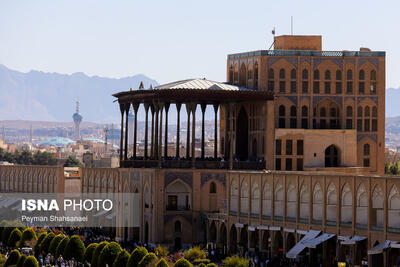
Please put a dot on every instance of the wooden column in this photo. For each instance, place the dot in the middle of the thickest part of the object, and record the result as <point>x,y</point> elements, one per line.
<point>135,110</point>
<point>127,106</point>
<point>231,108</point>
<point>188,131</point>
<point>152,131</point>
<point>166,131</point>
<point>121,144</point>
<point>161,106</point>
<point>215,131</point>
<point>178,128</point>
<point>194,106</point>
<point>203,110</point>
<point>156,108</point>
<point>146,130</point>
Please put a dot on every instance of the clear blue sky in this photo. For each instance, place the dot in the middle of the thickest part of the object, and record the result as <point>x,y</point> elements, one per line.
<point>177,39</point>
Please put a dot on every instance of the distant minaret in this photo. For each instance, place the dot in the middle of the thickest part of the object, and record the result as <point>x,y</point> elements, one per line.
<point>141,86</point>
<point>30,135</point>
<point>77,121</point>
<point>105,138</point>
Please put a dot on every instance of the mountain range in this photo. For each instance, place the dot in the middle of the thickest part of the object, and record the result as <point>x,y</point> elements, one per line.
<point>42,96</point>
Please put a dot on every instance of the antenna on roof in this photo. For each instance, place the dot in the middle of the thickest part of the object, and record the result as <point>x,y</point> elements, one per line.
<point>291,25</point>
<point>273,33</point>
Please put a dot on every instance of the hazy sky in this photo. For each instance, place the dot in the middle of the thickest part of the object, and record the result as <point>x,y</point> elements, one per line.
<point>177,39</point>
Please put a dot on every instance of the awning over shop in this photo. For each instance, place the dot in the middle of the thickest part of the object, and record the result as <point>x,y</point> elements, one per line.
<point>343,237</point>
<point>251,228</point>
<point>378,249</point>
<point>239,225</point>
<point>275,228</point>
<point>300,246</point>
<point>353,240</point>
<point>395,244</point>
<point>313,243</point>
<point>262,227</point>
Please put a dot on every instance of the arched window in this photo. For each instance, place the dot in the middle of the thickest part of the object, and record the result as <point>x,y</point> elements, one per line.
<point>361,75</point>
<point>361,206</point>
<point>349,75</point>
<point>244,198</point>
<point>367,114</point>
<point>304,204</point>
<point>316,74</point>
<point>374,112</point>
<point>304,111</point>
<point>305,74</point>
<point>322,112</point>
<point>359,111</point>
<point>317,204</point>
<point>338,75</point>
<point>213,188</point>
<point>281,74</point>
<point>255,200</point>
<point>271,74</point>
<point>373,75</point>
<point>256,75</point>
<point>178,227</point>
<point>293,111</point>
<point>293,74</point>
<point>347,205</point>
<point>366,149</point>
<point>250,72</point>
<point>333,112</point>
<point>282,110</point>
<point>349,111</point>
<point>327,75</point>
<point>231,74</point>
<point>266,201</point>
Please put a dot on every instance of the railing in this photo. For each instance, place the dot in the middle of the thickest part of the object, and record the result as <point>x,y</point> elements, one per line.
<point>243,214</point>
<point>361,226</point>
<point>308,53</point>
<point>316,221</point>
<point>290,219</point>
<point>377,228</point>
<point>188,164</point>
<point>266,217</point>
<point>303,220</point>
<point>346,224</point>
<point>393,230</point>
<point>254,215</point>
<point>330,223</point>
<point>278,218</point>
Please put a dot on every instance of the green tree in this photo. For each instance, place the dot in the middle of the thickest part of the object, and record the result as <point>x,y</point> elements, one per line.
<point>45,245</point>
<point>72,162</point>
<point>31,262</point>
<point>212,265</point>
<point>201,265</point>
<point>15,237</point>
<point>182,263</point>
<point>54,244</point>
<point>21,261</point>
<point>394,168</point>
<point>74,249</point>
<point>194,253</point>
<point>235,261</point>
<point>161,251</point>
<point>162,263</point>
<point>28,237</point>
<point>122,259</point>
<point>37,246</point>
<point>148,261</point>
<point>61,247</point>
<point>12,258</point>
<point>5,234</point>
<point>136,256</point>
<point>24,158</point>
<point>108,254</point>
<point>97,252</point>
<point>89,252</point>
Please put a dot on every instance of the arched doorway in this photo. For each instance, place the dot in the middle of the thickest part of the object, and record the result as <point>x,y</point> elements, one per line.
<point>222,239</point>
<point>178,243</point>
<point>243,240</point>
<point>331,156</point>
<point>290,241</point>
<point>242,135</point>
<point>146,233</point>
<point>278,245</point>
<point>213,232</point>
<point>233,239</point>
<point>254,149</point>
<point>254,240</point>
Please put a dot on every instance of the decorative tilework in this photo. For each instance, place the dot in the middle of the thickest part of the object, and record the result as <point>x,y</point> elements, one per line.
<point>317,61</point>
<point>337,99</point>
<point>292,98</point>
<point>372,136</point>
<point>305,59</point>
<point>337,61</point>
<point>372,60</point>
<point>349,97</point>
<point>291,60</point>
<point>350,60</point>
<point>272,60</point>
<point>373,98</point>
<point>206,176</point>
<point>305,97</point>
<point>187,177</point>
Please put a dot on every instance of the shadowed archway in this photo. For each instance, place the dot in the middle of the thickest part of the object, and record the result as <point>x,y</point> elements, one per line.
<point>242,135</point>
<point>331,156</point>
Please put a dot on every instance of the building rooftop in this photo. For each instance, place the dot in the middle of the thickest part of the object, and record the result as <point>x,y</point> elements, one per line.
<point>199,84</point>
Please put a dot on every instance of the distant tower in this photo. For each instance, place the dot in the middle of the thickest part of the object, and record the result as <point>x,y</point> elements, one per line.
<point>30,135</point>
<point>105,137</point>
<point>77,121</point>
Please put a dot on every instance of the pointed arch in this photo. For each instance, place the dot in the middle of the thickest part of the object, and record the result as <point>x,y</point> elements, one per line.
<point>317,203</point>
<point>347,202</point>
<point>394,207</point>
<point>362,206</point>
<point>255,200</point>
<point>266,201</point>
<point>278,199</point>
<point>377,207</point>
<point>304,203</point>
<point>291,202</point>
<point>234,196</point>
<point>331,204</point>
